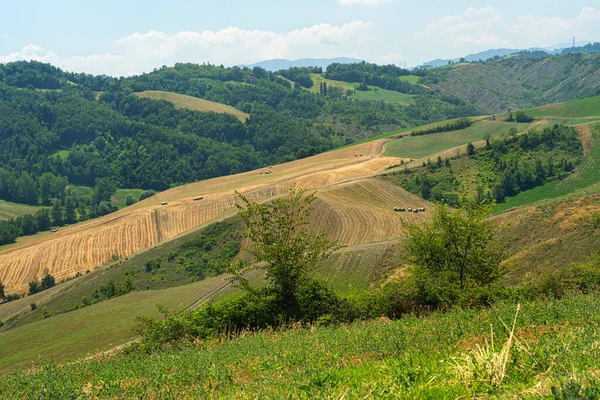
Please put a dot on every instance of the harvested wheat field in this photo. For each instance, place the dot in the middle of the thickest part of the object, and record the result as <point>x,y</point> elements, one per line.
<point>348,202</point>
<point>354,268</point>
<point>362,211</point>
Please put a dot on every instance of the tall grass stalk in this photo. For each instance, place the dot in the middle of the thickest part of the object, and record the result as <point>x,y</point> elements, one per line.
<point>485,363</point>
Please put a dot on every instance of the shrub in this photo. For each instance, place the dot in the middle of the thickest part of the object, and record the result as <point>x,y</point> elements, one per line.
<point>129,200</point>
<point>145,194</point>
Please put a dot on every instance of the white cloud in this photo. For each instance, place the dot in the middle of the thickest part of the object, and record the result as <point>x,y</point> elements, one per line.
<point>140,52</point>
<point>390,58</point>
<point>4,36</point>
<point>477,29</point>
<point>96,63</point>
<point>545,31</point>
<point>471,27</point>
<point>365,2</point>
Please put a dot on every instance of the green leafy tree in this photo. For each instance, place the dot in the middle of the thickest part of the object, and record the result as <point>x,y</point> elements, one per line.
<point>34,287</point>
<point>48,281</point>
<point>129,200</point>
<point>145,194</point>
<point>283,243</point>
<point>488,139</point>
<point>70,211</point>
<point>104,189</point>
<point>470,149</point>
<point>2,294</point>
<point>454,252</point>
<point>57,212</point>
<point>43,219</point>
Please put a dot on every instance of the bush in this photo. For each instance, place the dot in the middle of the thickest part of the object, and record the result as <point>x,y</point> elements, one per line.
<point>145,194</point>
<point>129,200</point>
<point>521,117</point>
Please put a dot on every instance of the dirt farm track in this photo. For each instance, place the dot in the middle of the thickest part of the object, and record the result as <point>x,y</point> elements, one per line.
<point>356,208</point>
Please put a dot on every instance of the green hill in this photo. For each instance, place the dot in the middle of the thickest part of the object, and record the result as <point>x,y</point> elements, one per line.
<point>519,82</point>
<point>374,93</point>
<point>428,145</point>
<point>541,239</point>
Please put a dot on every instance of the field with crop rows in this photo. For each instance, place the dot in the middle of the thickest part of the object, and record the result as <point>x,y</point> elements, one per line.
<point>84,246</point>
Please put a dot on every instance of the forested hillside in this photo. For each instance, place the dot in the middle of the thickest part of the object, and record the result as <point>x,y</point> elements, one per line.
<point>59,129</point>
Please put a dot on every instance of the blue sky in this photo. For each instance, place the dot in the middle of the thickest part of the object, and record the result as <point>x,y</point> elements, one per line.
<point>126,37</point>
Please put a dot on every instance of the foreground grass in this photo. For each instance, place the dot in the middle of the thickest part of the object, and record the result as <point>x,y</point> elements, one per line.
<point>409,358</point>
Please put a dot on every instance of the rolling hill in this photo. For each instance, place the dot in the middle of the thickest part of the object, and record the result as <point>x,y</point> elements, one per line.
<point>374,93</point>
<point>279,64</point>
<point>335,174</point>
<point>519,83</point>
<point>353,192</point>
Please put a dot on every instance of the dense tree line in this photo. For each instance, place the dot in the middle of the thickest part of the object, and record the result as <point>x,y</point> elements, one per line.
<point>299,75</point>
<point>65,208</point>
<point>458,125</point>
<point>383,76</point>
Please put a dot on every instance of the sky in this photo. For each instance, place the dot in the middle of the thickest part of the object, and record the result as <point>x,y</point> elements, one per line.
<point>126,37</point>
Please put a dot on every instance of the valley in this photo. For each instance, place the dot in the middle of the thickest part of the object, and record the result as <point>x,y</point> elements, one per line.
<point>149,172</point>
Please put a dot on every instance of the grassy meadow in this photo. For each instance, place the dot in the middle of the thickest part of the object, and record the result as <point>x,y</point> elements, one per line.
<point>118,199</point>
<point>388,96</point>
<point>554,350</point>
<point>575,109</point>
<point>413,79</point>
<point>318,79</point>
<point>375,93</point>
<point>92,329</point>
<point>10,210</point>
<point>426,145</point>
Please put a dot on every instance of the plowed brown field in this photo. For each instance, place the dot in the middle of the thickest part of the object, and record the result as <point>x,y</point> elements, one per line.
<point>354,207</point>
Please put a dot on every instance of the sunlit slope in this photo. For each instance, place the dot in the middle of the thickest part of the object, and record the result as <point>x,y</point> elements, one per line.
<point>87,245</point>
<point>10,210</point>
<point>427,145</point>
<point>96,328</point>
<point>374,93</point>
<point>193,103</point>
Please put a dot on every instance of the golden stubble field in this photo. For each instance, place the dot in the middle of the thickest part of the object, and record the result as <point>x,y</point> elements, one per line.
<point>353,206</point>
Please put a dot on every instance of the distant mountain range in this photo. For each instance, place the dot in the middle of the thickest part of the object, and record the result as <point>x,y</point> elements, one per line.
<point>484,55</point>
<point>279,64</point>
